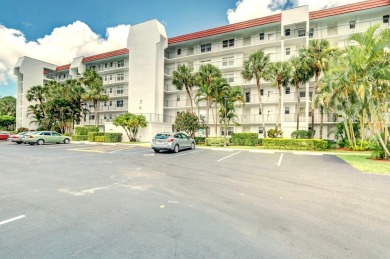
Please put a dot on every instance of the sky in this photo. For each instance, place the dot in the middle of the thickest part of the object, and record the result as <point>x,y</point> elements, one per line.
<point>57,31</point>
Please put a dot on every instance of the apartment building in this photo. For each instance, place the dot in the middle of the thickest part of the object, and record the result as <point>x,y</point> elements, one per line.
<point>138,78</point>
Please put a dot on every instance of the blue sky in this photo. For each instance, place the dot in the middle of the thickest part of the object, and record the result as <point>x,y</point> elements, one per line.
<point>56,31</point>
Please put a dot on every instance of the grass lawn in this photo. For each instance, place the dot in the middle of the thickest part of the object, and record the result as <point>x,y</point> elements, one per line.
<point>366,165</point>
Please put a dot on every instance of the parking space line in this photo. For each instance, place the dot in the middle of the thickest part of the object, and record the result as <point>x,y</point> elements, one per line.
<point>280,159</point>
<point>307,153</point>
<point>13,219</point>
<point>187,153</point>
<point>228,156</point>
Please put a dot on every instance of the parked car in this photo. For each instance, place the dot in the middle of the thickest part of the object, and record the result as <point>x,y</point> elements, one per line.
<point>18,138</point>
<point>173,141</point>
<point>42,137</point>
<point>4,135</point>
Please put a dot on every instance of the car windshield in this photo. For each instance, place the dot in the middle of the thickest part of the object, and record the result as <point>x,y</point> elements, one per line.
<point>161,136</point>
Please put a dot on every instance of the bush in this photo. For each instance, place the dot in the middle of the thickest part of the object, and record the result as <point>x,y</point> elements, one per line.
<point>79,137</point>
<point>85,130</point>
<point>100,138</point>
<point>300,134</point>
<point>244,139</point>
<point>200,140</point>
<point>216,142</point>
<point>272,133</point>
<point>295,144</point>
<point>113,137</point>
<point>21,129</point>
<point>92,135</point>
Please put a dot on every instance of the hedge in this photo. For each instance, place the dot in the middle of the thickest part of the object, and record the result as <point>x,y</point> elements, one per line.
<point>200,140</point>
<point>113,137</point>
<point>244,139</point>
<point>92,135</point>
<point>85,130</point>
<point>79,137</point>
<point>100,138</point>
<point>216,142</point>
<point>295,144</point>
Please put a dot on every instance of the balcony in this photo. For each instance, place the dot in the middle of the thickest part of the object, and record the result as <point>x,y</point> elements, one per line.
<point>116,93</point>
<point>114,80</point>
<point>110,66</point>
<point>114,108</point>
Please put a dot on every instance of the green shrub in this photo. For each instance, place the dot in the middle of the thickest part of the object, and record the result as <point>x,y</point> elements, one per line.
<point>113,137</point>
<point>200,140</point>
<point>22,129</point>
<point>301,134</point>
<point>85,130</point>
<point>92,135</point>
<point>272,133</point>
<point>216,142</point>
<point>100,138</point>
<point>79,138</point>
<point>244,139</point>
<point>295,144</point>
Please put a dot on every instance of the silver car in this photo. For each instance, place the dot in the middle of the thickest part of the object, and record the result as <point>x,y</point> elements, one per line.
<point>18,138</point>
<point>174,141</point>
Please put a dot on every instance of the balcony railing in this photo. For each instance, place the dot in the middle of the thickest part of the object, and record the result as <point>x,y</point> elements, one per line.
<point>116,93</point>
<point>115,80</point>
<point>111,66</point>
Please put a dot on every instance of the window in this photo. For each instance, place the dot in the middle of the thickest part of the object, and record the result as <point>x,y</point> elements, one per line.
<point>205,61</point>
<point>105,103</point>
<point>205,48</point>
<point>287,32</point>
<point>261,36</point>
<point>119,103</point>
<point>287,90</point>
<point>248,97</point>
<point>93,67</point>
<point>261,130</point>
<point>91,117</point>
<point>352,24</point>
<point>110,103</point>
<point>110,77</point>
<point>110,116</point>
<point>91,105</point>
<point>111,64</point>
<point>286,110</point>
<point>121,63</point>
<point>46,133</point>
<point>302,94</point>
<point>301,110</point>
<point>178,98</point>
<point>105,116</point>
<point>110,90</point>
<point>178,52</point>
<point>311,32</point>
<point>105,65</point>
<point>385,18</point>
<point>230,130</point>
<point>120,77</point>
<point>105,79</point>
<point>55,134</point>
<point>260,111</point>
<point>119,90</point>
<point>229,78</point>
<point>288,51</point>
<point>229,61</point>
<point>228,43</point>
<point>301,33</point>
<point>261,92</point>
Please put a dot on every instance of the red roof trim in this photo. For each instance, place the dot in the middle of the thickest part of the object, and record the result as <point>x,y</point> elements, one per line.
<point>226,28</point>
<point>348,8</point>
<point>63,67</point>
<point>106,55</point>
<point>277,18</point>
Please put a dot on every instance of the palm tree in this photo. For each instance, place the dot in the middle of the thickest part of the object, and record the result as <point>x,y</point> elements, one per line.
<point>279,74</point>
<point>318,55</point>
<point>220,89</point>
<point>38,93</point>
<point>255,66</point>
<point>301,73</point>
<point>206,79</point>
<point>183,77</point>
<point>94,89</point>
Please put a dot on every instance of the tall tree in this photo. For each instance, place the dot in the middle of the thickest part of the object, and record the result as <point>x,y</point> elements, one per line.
<point>318,55</point>
<point>8,106</point>
<point>131,124</point>
<point>183,77</point>
<point>301,73</point>
<point>255,66</point>
<point>206,79</point>
<point>94,89</point>
<point>38,93</point>
<point>279,74</point>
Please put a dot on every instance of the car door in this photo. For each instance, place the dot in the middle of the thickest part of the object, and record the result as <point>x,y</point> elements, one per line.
<point>57,138</point>
<point>178,139</point>
<point>185,140</point>
<point>47,137</point>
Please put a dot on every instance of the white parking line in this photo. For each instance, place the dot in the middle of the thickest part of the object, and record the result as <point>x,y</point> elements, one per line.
<point>13,219</point>
<point>307,153</point>
<point>228,156</point>
<point>187,153</point>
<point>280,159</point>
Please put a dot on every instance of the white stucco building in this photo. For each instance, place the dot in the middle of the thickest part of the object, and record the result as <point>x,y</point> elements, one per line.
<point>138,78</point>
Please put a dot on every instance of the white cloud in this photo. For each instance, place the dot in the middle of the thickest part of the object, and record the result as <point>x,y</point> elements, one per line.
<point>251,9</point>
<point>60,47</point>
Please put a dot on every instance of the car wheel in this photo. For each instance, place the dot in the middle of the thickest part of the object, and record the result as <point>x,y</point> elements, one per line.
<point>19,142</point>
<point>192,145</point>
<point>176,149</point>
<point>40,142</point>
<point>66,141</point>
<point>156,150</point>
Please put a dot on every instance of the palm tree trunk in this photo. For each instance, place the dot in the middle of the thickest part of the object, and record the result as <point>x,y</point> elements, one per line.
<point>216,119</point>
<point>96,118</point>
<point>261,106</point>
<point>298,103</point>
<point>207,118</point>
<point>322,121</point>
<point>278,113</point>
<point>189,96</point>
<point>312,103</point>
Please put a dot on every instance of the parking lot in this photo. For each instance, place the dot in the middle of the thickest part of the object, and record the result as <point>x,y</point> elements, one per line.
<point>122,201</point>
